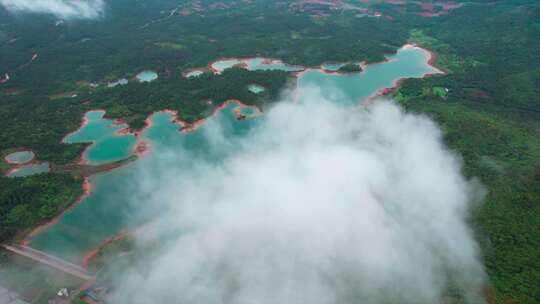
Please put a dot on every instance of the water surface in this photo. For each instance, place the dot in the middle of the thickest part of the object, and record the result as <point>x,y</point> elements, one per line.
<point>255,88</point>
<point>20,157</point>
<point>107,145</point>
<point>30,169</point>
<point>409,62</point>
<point>112,205</point>
<point>147,76</point>
<point>255,64</point>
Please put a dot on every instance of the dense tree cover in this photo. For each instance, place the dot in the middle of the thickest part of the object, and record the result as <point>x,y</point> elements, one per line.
<point>194,98</point>
<point>123,43</point>
<point>490,115</point>
<point>39,124</point>
<point>27,202</point>
<point>350,68</point>
<point>491,118</point>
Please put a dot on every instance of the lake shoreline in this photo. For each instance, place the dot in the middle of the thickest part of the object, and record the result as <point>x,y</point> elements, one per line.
<point>143,147</point>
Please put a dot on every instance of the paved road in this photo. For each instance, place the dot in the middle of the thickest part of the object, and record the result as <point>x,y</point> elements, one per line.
<point>49,260</point>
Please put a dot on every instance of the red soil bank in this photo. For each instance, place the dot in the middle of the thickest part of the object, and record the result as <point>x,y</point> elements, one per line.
<point>433,57</point>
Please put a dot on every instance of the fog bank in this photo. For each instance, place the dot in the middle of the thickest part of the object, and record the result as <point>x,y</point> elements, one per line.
<point>319,204</point>
<point>66,9</point>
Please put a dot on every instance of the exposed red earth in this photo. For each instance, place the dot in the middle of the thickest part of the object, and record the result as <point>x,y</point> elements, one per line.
<point>433,57</point>
<point>437,8</point>
<point>427,6</point>
<point>313,7</point>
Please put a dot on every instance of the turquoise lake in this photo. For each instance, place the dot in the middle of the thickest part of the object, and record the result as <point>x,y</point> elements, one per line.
<point>106,145</point>
<point>112,205</point>
<point>409,62</point>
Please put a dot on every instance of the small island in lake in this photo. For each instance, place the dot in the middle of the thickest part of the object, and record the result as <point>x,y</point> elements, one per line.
<point>350,68</point>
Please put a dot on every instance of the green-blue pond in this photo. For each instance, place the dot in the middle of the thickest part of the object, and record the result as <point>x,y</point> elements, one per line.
<point>20,157</point>
<point>30,169</point>
<point>147,76</point>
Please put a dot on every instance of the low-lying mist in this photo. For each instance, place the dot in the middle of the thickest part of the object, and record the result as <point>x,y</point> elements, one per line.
<point>68,9</point>
<point>318,204</point>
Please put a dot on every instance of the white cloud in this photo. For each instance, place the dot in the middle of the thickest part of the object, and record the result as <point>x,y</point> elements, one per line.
<point>320,204</point>
<point>84,9</point>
